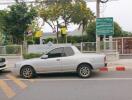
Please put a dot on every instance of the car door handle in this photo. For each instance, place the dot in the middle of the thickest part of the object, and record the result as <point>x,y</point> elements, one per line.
<point>57,59</point>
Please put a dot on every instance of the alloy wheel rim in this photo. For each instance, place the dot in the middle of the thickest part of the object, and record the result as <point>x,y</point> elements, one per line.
<point>84,71</point>
<point>27,72</point>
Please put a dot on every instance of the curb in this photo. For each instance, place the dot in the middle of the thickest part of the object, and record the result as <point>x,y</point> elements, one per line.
<point>117,68</point>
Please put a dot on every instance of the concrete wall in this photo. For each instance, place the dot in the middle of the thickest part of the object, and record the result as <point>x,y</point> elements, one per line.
<point>112,56</point>
<point>43,48</point>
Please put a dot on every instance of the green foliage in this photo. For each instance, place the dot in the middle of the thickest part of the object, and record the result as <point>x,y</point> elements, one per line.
<point>126,33</point>
<point>1,40</point>
<point>13,49</point>
<point>49,39</point>
<point>3,14</point>
<point>67,11</point>
<point>73,39</point>
<point>91,32</point>
<point>16,21</point>
<point>117,30</point>
<point>31,55</point>
<point>81,15</point>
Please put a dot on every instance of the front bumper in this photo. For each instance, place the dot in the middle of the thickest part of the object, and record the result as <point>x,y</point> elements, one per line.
<point>2,67</point>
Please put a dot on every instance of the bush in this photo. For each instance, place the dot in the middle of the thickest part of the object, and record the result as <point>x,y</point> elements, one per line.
<point>31,55</point>
<point>13,49</point>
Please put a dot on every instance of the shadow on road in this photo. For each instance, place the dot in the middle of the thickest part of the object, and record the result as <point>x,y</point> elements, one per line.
<point>63,75</point>
<point>4,72</point>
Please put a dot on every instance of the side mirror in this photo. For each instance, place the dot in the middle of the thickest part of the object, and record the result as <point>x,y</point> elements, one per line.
<point>44,57</point>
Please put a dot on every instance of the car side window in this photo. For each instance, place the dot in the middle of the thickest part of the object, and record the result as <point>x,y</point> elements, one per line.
<point>68,51</point>
<point>58,52</point>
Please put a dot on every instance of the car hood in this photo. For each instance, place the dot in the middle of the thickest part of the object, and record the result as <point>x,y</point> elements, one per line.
<point>28,61</point>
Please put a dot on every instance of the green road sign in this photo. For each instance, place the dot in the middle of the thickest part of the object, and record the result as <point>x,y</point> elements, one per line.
<point>104,26</point>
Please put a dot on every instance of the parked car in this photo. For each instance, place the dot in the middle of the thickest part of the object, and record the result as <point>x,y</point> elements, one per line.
<point>61,59</point>
<point>2,64</point>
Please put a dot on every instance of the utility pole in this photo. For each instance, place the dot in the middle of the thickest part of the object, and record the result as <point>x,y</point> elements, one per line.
<point>97,16</point>
<point>97,8</point>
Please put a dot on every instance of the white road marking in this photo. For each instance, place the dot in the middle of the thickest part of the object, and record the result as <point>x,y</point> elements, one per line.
<point>66,79</point>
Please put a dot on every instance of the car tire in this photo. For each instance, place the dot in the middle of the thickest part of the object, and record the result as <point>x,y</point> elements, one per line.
<point>1,71</point>
<point>27,72</point>
<point>84,71</point>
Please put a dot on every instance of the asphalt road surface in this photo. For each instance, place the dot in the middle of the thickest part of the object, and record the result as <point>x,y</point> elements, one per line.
<point>101,86</point>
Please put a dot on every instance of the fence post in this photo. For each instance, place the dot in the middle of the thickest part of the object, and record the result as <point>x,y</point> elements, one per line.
<point>5,50</point>
<point>122,45</point>
<point>21,50</point>
<point>111,42</point>
<point>81,47</point>
<point>116,46</point>
<point>104,43</point>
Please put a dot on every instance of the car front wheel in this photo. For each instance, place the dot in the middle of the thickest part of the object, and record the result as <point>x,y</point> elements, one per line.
<point>84,71</point>
<point>27,72</point>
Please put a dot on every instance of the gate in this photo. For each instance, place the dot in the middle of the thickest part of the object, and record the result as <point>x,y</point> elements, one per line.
<point>124,45</point>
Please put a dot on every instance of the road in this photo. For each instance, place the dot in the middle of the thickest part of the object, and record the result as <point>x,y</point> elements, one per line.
<point>101,86</point>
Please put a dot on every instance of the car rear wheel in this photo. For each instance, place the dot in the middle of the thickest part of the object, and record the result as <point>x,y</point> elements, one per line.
<point>27,72</point>
<point>84,71</point>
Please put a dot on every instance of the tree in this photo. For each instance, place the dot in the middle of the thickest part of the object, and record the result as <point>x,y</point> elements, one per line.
<point>17,21</point>
<point>91,31</point>
<point>3,14</point>
<point>117,30</point>
<point>51,15</point>
<point>65,10</point>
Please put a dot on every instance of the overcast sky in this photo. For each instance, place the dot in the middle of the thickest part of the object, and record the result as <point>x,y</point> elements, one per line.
<point>121,10</point>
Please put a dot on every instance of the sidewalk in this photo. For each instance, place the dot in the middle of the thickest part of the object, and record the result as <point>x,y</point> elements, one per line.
<point>121,62</point>
<point>119,65</point>
<point>11,62</point>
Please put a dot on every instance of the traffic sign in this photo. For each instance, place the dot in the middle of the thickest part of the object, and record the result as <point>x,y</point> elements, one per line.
<point>104,26</point>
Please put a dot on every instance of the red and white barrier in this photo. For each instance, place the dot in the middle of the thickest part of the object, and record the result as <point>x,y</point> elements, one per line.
<point>117,68</point>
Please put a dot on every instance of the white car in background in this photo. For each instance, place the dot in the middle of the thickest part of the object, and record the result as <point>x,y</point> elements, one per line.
<point>2,64</point>
<point>61,59</point>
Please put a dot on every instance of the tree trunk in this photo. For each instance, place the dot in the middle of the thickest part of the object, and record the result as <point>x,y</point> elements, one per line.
<point>57,33</point>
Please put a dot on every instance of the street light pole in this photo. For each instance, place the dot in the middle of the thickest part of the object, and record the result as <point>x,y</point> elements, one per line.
<point>97,16</point>
<point>97,8</point>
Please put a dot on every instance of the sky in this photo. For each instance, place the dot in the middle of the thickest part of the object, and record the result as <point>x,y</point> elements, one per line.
<point>120,10</point>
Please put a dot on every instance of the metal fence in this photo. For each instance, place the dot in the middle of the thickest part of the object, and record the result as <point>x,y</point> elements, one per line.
<point>11,50</point>
<point>90,47</point>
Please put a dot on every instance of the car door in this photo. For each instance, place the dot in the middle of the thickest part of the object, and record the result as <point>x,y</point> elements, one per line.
<point>68,62</point>
<point>52,63</point>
